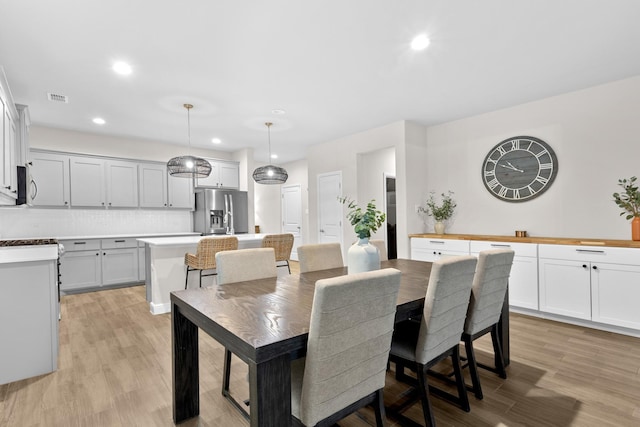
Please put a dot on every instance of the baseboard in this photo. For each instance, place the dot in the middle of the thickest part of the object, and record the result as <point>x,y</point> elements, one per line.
<point>160,308</point>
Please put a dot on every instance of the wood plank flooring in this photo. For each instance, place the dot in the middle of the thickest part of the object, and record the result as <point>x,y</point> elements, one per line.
<point>115,370</point>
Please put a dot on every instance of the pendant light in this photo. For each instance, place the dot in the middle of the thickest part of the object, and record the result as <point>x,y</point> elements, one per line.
<point>270,174</point>
<point>189,166</point>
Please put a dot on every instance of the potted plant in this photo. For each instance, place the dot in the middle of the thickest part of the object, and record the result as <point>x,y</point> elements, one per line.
<point>363,256</point>
<point>439,211</point>
<point>629,202</point>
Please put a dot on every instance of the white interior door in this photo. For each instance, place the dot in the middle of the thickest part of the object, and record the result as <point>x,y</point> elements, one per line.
<point>329,207</point>
<point>292,215</point>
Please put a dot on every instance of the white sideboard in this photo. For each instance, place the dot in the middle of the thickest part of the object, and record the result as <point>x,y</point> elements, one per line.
<point>582,281</point>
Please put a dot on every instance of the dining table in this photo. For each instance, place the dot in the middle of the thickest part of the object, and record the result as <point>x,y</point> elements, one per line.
<point>266,323</point>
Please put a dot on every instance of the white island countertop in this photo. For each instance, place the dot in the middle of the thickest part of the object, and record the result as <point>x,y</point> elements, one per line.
<point>192,240</point>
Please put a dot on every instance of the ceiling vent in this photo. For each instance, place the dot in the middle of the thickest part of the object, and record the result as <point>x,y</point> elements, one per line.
<point>57,98</point>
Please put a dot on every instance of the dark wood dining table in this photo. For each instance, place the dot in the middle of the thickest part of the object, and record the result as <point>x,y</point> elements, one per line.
<point>266,323</point>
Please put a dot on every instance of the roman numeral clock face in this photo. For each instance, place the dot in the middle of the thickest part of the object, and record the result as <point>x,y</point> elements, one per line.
<point>519,169</point>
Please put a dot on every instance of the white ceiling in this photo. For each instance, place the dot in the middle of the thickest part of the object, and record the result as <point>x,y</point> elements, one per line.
<point>337,67</point>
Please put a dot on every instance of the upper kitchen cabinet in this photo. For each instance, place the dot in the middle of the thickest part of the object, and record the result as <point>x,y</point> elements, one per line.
<point>50,179</point>
<point>8,143</point>
<point>87,181</point>
<point>159,190</point>
<point>122,184</point>
<point>224,174</point>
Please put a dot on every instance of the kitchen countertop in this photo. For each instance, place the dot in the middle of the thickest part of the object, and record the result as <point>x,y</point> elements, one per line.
<point>192,240</point>
<point>543,240</point>
<point>27,242</point>
<point>137,235</point>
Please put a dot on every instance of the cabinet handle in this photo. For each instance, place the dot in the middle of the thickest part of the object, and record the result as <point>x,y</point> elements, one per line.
<point>590,251</point>
<point>98,254</point>
<point>79,243</point>
<point>102,203</point>
<point>496,245</point>
<point>109,203</point>
<point>434,252</point>
<point>119,241</point>
<point>104,253</point>
<point>584,265</point>
<point>595,267</point>
<point>439,242</point>
<point>66,203</point>
<point>8,187</point>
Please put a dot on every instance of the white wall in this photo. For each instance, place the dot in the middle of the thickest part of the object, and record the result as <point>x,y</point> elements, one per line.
<point>595,134</point>
<point>371,169</point>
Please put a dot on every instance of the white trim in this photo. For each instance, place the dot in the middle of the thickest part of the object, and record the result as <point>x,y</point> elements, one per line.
<point>160,308</point>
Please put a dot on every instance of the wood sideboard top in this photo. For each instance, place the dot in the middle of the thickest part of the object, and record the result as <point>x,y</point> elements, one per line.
<point>544,240</point>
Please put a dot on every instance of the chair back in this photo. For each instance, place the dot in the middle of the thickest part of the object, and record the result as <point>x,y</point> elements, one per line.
<point>245,264</point>
<point>352,320</point>
<point>489,289</point>
<point>382,247</point>
<point>281,244</point>
<point>205,257</point>
<point>322,256</point>
<point>445,306</point>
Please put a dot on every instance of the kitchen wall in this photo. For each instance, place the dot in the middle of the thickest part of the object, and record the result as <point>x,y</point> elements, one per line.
<point>17,222</point>
<point>595,134</point>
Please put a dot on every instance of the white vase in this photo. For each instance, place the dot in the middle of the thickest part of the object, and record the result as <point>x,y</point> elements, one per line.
<point>362,256</point>
<point>439,227</point>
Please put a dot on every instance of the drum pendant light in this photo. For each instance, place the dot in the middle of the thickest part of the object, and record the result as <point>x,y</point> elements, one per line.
<point>270,174</point>
<point>189,166</point>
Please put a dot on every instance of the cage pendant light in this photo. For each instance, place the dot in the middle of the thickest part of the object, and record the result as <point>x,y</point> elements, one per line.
<point>270,174</point>
<point>189,166</point>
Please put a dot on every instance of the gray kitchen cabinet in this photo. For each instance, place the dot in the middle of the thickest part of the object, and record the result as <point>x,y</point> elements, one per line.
<point>50,175</point>
<point>142,276</point>
<point>81,265</point>
<point>224,174</point>
<point>121,184</point>
<point>180,193</point>
<point>152,178</point>
<point>87,179</point>
<point>119,266</point>
<point>8,142</point>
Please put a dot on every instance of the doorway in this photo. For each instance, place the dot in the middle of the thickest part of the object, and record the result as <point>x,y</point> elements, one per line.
<point>390,211</point>
<point>292,215</point>
<point>329,207</point>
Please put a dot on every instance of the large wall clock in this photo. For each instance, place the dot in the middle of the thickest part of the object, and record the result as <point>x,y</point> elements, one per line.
<point>519,169</point>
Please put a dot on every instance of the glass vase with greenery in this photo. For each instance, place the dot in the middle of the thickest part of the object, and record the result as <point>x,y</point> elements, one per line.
<point>439,211</point>
<point>364,221</point>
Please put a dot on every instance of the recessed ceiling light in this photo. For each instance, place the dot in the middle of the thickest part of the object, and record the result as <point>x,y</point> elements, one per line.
<point>277,111</point>
<point>216,140</point>
<point>99,121</point>
<point>122,68</point>
<point>420,42</point>
<point>274,156</point>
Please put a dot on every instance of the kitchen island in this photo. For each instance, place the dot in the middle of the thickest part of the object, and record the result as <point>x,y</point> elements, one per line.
<point>28,308</point>
<point>165,268</point>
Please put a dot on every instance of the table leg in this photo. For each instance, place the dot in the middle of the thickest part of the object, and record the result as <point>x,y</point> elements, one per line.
<point>186,388</point>
<point>503,330</point>
<point>270,392</point>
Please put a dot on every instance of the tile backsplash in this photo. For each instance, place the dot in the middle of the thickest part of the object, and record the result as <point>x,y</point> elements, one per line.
<point>21,222</point>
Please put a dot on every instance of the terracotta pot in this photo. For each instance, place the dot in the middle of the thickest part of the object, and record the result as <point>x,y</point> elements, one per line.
<point>635,228</point>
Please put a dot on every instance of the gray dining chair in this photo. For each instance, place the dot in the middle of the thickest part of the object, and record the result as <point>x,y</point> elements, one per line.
<point>350,331</point>
<point>240,266</point>
<point>382,247</point>
<point>485,307</point>
<point>422,344</point>
<point>321,256</point>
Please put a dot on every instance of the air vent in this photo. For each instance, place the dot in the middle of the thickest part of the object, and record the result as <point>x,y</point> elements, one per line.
<point>57,98</point>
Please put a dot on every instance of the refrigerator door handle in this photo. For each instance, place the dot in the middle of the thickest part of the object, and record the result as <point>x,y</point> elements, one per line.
<point>230,230</point>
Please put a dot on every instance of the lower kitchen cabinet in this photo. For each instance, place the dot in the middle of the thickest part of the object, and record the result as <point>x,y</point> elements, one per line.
<point>119,266</point>
<point>615,292</point>
<point>426,249</point>
<point>82,269</point>
<point>565,288</point>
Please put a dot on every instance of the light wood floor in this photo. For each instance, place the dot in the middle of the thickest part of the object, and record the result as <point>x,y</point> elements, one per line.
<point>115,370</point>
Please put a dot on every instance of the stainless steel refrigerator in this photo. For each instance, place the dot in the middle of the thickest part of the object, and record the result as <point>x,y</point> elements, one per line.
<point>221,212</point>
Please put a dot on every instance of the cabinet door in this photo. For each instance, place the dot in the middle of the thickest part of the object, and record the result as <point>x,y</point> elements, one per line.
<point>141,267</point>
<point>229,175</point>
<point>122,184</point>
<point>565,288</point>
<point>10,174</point>
<point>119,266</point>
<point>3,133</point>
<point>523,283</point>
<point>80,269</point>
<point>615,294</point>
<point>153,185</point>
<point>50,175</point>
<point>87,181</point>
<point>213,180</point>
<point>180,193</point>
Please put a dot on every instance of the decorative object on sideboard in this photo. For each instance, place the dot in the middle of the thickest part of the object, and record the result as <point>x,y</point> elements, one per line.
<point>362,255</point>
<point>629,201</point>
<point>440,212</point>
<point>519,169</point>
<point>189,166</point>
<point>270,174</point>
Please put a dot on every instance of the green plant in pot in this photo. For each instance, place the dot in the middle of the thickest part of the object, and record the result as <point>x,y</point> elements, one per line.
<point>439,211</point>
<point>629,202</point>
<point>363,256</point>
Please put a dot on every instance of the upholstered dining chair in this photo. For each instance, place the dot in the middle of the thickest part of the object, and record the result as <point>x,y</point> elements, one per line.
<point>205,256</point>
<point>352,320</point>
<point>382,247</point>
<point>420,345</point>
<point>282,245</point>
<point>321,256</point>
<point>239,266</point>
<point>485,307</point>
